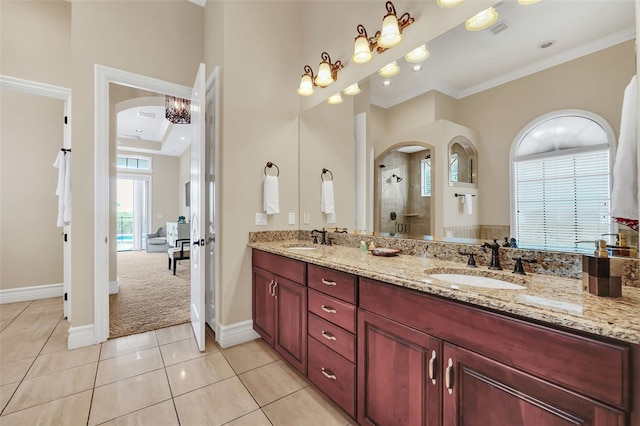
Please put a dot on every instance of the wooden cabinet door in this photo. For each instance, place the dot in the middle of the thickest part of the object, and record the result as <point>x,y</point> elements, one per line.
<point>291,322</point>
<point>482,392</point>
<point>263,305</point>
<point>394,382</point>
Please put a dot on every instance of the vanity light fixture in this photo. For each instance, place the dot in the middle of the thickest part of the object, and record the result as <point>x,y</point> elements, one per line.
<point>306,82</point>
<point>482,20</point>
<point>177,110</point>
<point>327,71</point>
<point>417,55</point>
<point>352,90</point>
<point>335,99</point>
<point>448,4</point>
<point>388,37</point>
<point>525,2</point>
<point>389,70</point>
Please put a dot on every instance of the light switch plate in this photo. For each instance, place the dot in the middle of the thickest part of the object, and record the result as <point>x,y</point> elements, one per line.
<point>292,218</point>
<point>307,220</point>
<point>261,219</point>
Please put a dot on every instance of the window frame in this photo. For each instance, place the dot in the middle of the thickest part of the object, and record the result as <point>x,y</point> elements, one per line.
<point>611,141</point>
<point>136,157</point>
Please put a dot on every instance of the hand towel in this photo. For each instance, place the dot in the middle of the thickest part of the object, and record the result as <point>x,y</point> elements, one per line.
<point>467,200</point>
<point>327,204</point>
<point>624,196</point>
<point>271,196</point>
<point>63,189</point>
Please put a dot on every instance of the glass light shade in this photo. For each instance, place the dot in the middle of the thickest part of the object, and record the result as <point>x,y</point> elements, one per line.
<point>306,86</point>
<point>361,51</point>
<point>390,34</point>
<point>447,4</point>
<point>335,99</point>
<point>418,54</point>
<point>352,90</point>
<point>324,77</point>
<point>482,20</point>
<point>527,2</point>
<point>389,70</point>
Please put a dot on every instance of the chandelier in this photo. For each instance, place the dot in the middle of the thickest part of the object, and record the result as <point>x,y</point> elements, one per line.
<point>177,110</point>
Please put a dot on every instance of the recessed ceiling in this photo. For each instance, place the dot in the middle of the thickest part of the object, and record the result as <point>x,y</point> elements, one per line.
<point>463,63</point>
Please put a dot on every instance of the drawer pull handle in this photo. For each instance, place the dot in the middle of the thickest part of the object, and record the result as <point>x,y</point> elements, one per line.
<point>328,336</point>
<point>328,282</point>
<point>432,367</point>
<point>270,289</point>
<point>329,309</point>
<point>449,377</point>
<point>328,374</point>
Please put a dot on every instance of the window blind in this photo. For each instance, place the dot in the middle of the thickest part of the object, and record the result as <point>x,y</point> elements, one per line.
<point>562,199</point>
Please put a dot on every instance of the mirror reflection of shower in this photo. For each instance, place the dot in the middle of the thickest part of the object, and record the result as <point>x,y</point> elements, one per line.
<point>405,191</point>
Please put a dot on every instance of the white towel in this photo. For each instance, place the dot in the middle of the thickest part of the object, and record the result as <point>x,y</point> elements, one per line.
<point>63,190</point>
<point>271,195</point>
<point>624,196</point>
<point>467,200</point>
<point>327,204</point>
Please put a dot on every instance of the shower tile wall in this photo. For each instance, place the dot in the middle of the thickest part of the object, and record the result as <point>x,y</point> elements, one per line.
<point>421,224</point>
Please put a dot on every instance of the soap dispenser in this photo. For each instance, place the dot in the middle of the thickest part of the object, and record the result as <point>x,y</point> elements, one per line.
<point>601,275</point>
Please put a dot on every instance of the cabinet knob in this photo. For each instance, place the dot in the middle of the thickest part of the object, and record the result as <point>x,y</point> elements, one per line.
<point>328,336</point>
<point>328,309</point>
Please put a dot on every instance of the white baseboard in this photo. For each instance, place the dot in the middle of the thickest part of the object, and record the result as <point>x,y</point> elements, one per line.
<point>234,334</point>
<point>81,336</point>
<point>114,286</point>
<point>35,292</point>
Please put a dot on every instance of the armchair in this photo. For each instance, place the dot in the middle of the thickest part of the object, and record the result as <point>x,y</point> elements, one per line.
<point>182,251</point>
<point>157,242</point>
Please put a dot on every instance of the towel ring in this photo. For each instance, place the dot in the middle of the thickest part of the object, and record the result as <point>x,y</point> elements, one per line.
<point>323,173</point>
<point>269,165</point>
<point>462,195</point>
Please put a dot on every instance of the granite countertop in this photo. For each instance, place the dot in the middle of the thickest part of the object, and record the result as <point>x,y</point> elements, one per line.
<point>553,300</point>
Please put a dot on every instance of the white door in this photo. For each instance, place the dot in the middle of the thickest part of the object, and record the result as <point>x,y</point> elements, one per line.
<point>198,218</point>
<point>211,142</point>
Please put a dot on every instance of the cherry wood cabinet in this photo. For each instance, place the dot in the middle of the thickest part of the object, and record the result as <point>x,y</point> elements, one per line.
<point>280,306</point>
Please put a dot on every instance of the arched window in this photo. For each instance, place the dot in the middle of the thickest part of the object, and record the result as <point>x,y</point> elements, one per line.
<point>560,180</point>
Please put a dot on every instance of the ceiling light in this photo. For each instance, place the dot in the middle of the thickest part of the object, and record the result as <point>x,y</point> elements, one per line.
<point>352,90</point>
<point>139,130</point>
<point>335,99</point>
<point>525,2</point>
<point>447,4</point>
<point>546,44</point>
<point>389,70</point>
<point>327,71</point>
<point>362,49</point>
<point>418,54</point>
<point>306,82</point>
<point>386,83</point>
<point>177,110</point>
<point>482,20</point>
<point>416,68</point>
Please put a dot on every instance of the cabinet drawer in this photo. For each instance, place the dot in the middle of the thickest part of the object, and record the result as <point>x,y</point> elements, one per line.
<point>287,268</point>
<point>591,367</point>
<point>334,310</point>
<point>335,283</point>
<point>333,337</point>
<point>333,374</point>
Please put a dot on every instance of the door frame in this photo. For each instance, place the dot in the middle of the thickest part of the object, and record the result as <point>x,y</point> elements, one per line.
<point>103,77</point>
<point>63,94</point>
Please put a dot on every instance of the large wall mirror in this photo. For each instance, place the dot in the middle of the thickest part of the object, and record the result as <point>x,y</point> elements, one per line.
<point>479,87</point>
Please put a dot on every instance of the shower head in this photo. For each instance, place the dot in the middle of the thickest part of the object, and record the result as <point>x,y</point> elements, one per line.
<point>381,166</point>
<point>398,178</point>
<point>394,176</point>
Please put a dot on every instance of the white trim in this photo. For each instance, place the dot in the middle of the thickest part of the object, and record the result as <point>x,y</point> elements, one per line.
<point>103,76</point>
<point>23,294</point>
<point>234,334</point>
<point>81,336</point>
<point>35,88</point>
<point>114,286</point>
<point>199,2</point>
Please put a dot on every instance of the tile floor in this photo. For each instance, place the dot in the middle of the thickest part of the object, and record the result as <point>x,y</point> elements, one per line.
<point>154,378</point>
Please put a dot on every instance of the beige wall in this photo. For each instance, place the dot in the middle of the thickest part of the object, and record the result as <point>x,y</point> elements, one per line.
<point>31,136</point>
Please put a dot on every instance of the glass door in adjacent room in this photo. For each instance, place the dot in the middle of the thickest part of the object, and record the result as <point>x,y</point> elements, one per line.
<point>132,212</point>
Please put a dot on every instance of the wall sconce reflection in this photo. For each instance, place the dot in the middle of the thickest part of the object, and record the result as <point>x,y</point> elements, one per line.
<point>327,74</point>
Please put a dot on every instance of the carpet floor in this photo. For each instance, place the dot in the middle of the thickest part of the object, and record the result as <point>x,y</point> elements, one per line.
<point>150,296</point>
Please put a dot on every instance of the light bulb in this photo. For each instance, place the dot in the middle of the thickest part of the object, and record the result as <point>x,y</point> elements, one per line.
<point>306,86</point>
<point>324,77</point>
<point>335,99</point>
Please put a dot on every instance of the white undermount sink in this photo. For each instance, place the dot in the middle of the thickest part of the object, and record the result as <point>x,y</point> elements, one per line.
<point>475,281</point>
<point>302,248</point>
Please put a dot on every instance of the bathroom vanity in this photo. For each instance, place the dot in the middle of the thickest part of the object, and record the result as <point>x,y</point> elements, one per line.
<point>392,345</point>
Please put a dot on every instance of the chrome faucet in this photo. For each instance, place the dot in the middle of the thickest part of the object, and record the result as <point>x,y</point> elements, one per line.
<point>495,254</point>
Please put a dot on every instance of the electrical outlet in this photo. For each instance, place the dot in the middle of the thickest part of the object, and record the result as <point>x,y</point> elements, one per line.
<point>261,219</point>
<point>307,220</point>
<point>292,218</point>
